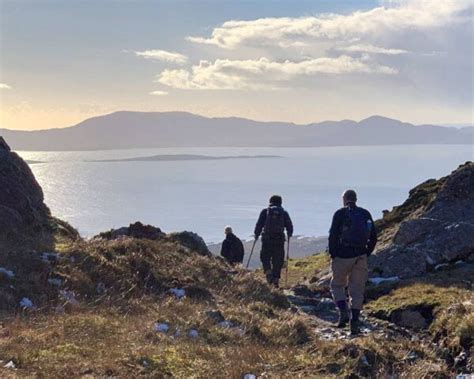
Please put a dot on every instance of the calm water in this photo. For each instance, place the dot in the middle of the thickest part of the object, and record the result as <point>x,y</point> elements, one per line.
<point>204,196</point>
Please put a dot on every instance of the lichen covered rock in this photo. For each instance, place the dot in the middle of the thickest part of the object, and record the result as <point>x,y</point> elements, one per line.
<point>435,225</point>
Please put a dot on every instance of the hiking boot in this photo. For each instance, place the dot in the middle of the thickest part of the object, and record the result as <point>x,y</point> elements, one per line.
<point>276,282</point>
<point>355,323</point>
<point>269,277</point>
<point>343,313</point>
<point>355,327</point>
<point>343,319</point>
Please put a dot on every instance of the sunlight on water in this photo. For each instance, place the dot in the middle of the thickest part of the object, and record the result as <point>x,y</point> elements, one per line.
<point>203,196</point>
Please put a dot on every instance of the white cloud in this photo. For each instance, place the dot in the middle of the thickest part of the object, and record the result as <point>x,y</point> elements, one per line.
<point>263,73</point>
<point>397,16</point>
<point>158,93</point>
<point>367,48</point>
<point>4,86</point>
<point>163,55</point>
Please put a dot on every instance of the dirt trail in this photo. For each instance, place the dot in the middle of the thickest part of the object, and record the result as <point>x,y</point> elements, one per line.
<point>324,315</point>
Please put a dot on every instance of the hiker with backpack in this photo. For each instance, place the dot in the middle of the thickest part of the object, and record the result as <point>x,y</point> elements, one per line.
<point>232,247</point>
<point>271,225</point>
<point>352,239</point>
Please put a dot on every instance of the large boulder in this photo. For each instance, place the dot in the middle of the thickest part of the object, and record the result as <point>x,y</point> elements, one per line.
<point>434,226</point>
<point>23,214</point>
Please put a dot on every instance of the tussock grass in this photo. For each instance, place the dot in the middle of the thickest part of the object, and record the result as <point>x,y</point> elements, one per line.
<point>110,330</point>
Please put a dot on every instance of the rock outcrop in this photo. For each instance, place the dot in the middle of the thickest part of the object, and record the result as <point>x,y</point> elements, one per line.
<point>23,213</point>
<point>135,230</point>
<point>190,240</point>
<point>434,226</point>
<point>138,230</point>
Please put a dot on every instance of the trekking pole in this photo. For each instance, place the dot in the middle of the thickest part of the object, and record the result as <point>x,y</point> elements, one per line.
<point>287,262</point>
<point>251,252</point>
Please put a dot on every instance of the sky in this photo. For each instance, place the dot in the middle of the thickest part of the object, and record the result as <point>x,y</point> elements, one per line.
<point>301,61</point>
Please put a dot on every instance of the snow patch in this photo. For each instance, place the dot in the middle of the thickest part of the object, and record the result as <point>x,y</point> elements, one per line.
<point>10,365</point>
<point>162,327</point>
<point>378,280</point>
<point>55,282</point>
<point>178,292</point>
<point>26,303</point>
<point>8,273</point>
<point>193,333</point>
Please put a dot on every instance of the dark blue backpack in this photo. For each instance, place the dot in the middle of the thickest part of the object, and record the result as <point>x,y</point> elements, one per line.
<point>356,228</point>
<point>275,221</point>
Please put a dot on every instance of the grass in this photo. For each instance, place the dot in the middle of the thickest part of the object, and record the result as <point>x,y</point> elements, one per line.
<point>106,342</point>
<point>110,330</point>
<point>304,269</point>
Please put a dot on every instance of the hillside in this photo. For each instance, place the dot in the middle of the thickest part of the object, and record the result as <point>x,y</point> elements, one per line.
<point>136,302</point>
<point>127,130</point>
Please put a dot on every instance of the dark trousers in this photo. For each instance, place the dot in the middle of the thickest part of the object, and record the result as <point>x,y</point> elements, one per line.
<point>272,255</point>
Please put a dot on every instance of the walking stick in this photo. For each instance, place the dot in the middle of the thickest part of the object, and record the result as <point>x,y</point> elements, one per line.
<point>287,262</point>
<point>251,252</point>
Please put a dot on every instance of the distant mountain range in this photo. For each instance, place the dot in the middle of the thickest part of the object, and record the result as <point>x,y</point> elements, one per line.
<point>127,130</point>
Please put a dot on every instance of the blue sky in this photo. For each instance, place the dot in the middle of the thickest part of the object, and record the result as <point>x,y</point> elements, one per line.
<point>301,61</point>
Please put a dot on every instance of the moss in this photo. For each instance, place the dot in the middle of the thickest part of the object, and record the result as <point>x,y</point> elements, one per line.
<point>445,304</point>
<point>301,269</point>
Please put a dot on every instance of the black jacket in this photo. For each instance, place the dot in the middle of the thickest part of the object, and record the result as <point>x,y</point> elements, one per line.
<point>263,218</point>
<point>336,248</point>
<point>232,249</point>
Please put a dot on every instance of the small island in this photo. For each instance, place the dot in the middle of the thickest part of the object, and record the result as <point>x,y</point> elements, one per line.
<point>185,157</point>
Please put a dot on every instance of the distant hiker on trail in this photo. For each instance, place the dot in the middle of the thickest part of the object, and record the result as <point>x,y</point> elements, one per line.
<point>232,247</point>
<point>352,239</point>
<point>273,221</point>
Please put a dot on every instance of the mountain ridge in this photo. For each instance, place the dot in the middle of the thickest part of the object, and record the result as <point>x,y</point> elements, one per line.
<point>129,130</point>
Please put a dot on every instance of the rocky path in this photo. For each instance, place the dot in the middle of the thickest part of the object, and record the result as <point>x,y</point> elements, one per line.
<point>324,315</point>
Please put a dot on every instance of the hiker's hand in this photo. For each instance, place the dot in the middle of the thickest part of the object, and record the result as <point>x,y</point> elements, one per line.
<point>256,237</point>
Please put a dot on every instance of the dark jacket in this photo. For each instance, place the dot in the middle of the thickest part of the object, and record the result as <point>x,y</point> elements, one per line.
<point>336,248</point>
<point>232,249</point>
<point>259,227</point>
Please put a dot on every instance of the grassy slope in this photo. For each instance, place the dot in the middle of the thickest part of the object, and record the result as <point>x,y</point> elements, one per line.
<point>111,332</point>
<point>306,268</point>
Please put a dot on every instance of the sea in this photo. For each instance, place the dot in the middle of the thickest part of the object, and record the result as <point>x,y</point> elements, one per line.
<point>204,196</point>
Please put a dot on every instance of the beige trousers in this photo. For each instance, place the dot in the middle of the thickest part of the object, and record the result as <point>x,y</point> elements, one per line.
<point>349,273</point>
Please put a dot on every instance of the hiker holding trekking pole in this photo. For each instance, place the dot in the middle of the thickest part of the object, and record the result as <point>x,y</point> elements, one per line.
<point>271,224</point>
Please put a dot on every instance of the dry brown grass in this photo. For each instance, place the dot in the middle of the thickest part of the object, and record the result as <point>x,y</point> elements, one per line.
<point>105,342</point>
<point>111,332</point>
